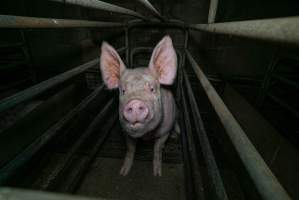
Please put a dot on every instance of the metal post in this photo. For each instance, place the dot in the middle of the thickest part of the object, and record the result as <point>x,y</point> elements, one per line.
<point>35,90</point>
<point>150,7</point>
<point>10,21</point>
<point>284,30</point>
<point>212,11</point>
<point>265,181</point>
<point>102,6</point>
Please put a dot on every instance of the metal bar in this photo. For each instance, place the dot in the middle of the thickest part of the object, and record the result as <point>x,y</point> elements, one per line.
<point>101,5</point>
<point>264,179</point>
<point>167,24</point>
<point>151,8</point>
<point>13,45</point>
<point>210,161</point>
<point>127,43</point>
<point>10,21</point>
<point>284,105</point>
<point>83,167</point>
<point>287,81</point>
<point>21,194</point>
<point>196,176</point>
<point>212,11</point>
<point>284,30</point>
<point>57,175</point>
<point>43,86</point>
<point>8,170</point>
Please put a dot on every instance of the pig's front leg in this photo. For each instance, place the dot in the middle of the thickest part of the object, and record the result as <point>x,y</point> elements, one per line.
<point>158,147</point>
<point>129,158</point>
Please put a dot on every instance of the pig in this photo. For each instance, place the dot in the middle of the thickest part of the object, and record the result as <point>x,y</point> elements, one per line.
<point>147,110</point>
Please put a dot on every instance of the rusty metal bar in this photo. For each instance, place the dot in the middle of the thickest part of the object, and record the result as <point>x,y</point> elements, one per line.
<point>284,30</point>
<point>212,11</point>
<point>150,7</point>
<point>101,5</point>
<point>35,90</point>
<point>265,181</point>
<point>11,21</point>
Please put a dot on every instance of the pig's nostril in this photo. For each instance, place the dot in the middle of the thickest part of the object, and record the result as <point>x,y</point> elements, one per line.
<point>141,108</point>
<point>130,110</point>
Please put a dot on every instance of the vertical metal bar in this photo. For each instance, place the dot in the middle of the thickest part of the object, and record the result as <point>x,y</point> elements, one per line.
<point>265,181</point>
<point>101,5</point>
<point>127,43</point>
<point>213,171</point>
<point>212,11</point>
<point>150,7</point>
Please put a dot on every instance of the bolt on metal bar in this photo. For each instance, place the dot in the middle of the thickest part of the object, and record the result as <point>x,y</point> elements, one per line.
<point>10,21</point>
<point>8,170</point>
<point>212,11</point>
<point>150,7</point>
<point>57,175</point>
<point>213,171</point>
<point>283,30</point>
<point>35,90</point>
<point>265,181</point>
<point>101,5</point>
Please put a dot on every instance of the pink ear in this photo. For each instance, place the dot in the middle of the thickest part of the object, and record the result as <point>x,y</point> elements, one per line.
<point>111,66</point>
<point>164,61</point>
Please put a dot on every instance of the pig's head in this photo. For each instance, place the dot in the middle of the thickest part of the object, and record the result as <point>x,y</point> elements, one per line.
<point>140,107</point>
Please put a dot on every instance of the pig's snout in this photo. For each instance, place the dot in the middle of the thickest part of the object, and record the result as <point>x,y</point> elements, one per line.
<point>136,111</point>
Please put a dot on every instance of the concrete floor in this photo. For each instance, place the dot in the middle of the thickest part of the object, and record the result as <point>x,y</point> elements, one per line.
<point>103,180</point>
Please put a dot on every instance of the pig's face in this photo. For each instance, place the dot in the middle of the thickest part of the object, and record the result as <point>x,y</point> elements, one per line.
<point>140,105</point>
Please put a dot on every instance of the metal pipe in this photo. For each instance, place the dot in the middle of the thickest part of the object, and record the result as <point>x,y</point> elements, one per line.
<point>209,158</point>
<point>287,81</point>
<point>101,5</point>
<point>265,181</point>
<point>193,155</point>
<point>151,8</point>
<point>167,24</point>
<point>35,90</point>
<point>284,30</point>
<point>10,21</point>
<point>8,170</point>
<point>212,11</point>
<point>84,165</point>
<point>57,175</point>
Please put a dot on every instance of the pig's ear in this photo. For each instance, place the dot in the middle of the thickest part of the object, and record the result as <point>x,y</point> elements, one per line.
<point>111,66</point>
<point>164,61</point>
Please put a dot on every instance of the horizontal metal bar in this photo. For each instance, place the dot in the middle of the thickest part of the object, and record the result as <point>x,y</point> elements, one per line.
<point>287,81</point>
<point>45,85</point>
<point>284,30</point>
<point>21,194</point>
<point>157,24</point>
<point>8,170</point>
<point>12,65</point>
<point>265,181</point>
<point>10,21</point>
<point>57,175</point>
<point>12,45</point>
<point>150,7</point>
<point>209,158</point>
<point>284,105</point>
<point>101,5</point>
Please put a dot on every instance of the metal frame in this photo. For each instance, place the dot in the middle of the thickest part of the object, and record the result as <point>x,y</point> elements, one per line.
<point>265,181</point>
<point>151,8</point>
<point>212,11</point>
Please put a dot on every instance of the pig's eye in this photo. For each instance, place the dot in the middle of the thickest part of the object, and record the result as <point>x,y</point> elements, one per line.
<point>122,91</point>
<point>152,89</point>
